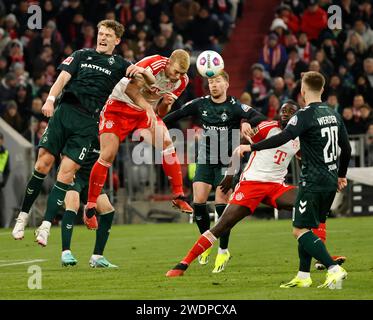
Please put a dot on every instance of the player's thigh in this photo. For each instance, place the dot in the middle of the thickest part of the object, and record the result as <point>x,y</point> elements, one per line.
<point>80,139</point>
<point>306,209</point>
<point>103,204</point>
<point>204,173</point>
<point>287,199</point>
<point>232,214</point>
<point>55,134</point>
<point>109,145</point>
<point>201,191</point>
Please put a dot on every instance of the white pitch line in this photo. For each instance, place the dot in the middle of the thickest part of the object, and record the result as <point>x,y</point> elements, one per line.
<point>22,262</point>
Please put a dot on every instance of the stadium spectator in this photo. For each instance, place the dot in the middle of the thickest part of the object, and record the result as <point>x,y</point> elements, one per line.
<point>364,31</point>
<point>280,90</point>
<point>4,40</point>
<point>65,20</point>
<point>366,116</point>
<point>355,42</point>
<point>258,87</point>
<point>139,22</point>
<point>14,52</point>
<point>296,6</point>
<point>184,11</point>
<point>368,70</point>
<point>3,67</point>
<point>7,88</point>
<point>294,66</point>
<point>305,48</point>
<point>352,63</point>
<point>290,83</point>
<point>364,88</point>
<point>333,102</point>
<point>327,68</point>
<point>273,107</point>
<point>203,33</point>
<point>273,56</point>
<point>314,20</point>
<point>349,10</point>
<point>331,47</point>
<point>279,27</point>
<point>23,100</point>
<point>366,12</point>
<point>11,26</point>
<point>352,126</point>
<point>12,117</point>
<point>49,12</point>
<point>286,14</point>
<point>159,46</point>
<point>4,163</point>
<point>220,11</point>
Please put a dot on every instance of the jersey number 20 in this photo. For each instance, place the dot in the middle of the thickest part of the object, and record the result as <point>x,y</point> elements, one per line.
<point>331,147</point>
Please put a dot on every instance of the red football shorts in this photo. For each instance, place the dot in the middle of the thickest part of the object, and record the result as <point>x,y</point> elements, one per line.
<point>251,193</point>
<point>119,118</point>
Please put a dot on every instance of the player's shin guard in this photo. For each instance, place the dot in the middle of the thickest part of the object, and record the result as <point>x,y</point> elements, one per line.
<point>224,238</point>
<point>67,226</point>
<point>103,231</point>
<point>316,248</point>
<point>202,217</point>
<point>56,200</point>
<point>32,190</point>
<point>172,169</point>
<point>96,181</point>
<point>320,231</point>
<point>204,242</point>
<point>304,259</point>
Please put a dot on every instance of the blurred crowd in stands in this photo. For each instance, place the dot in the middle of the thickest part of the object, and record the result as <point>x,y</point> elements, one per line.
<point>298,40</point>
<point>29,58</point>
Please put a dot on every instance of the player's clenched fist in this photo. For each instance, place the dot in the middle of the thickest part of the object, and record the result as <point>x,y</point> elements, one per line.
<point>48,108</point>
<point>133,70</point>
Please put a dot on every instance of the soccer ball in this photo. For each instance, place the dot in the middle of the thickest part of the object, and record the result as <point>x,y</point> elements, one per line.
<point>209,63</point>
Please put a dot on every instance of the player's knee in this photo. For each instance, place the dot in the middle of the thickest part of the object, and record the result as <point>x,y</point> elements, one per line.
<point>44,162</point>
<point>66,175</point>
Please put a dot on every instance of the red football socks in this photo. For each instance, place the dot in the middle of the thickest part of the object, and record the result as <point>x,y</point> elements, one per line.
<point>320,232</point>
<point>172,168</point>
<point>97,180</point>
<point>204,242</point>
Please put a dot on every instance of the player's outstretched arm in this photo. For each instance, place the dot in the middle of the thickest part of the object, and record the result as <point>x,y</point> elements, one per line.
<point>188,109</point>
<point>273,142</point>
<point>48,107</point>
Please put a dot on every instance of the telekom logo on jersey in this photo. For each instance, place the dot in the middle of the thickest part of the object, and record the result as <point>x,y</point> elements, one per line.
<point>280,156</point>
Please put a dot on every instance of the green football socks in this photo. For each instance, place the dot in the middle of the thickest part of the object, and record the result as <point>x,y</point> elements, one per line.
<point>32,191</point>
<point>103,231</point>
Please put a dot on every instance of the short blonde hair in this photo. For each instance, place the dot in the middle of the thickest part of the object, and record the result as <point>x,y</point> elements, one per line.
<point>315,81</point>
<point>181,57</point>
<point>224,74</point>
<point>114,25</point>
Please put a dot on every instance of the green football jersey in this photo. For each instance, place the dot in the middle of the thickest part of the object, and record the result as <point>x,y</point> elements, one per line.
<point>219,121</point>
<point>320,130</point>
<point>93,77</point>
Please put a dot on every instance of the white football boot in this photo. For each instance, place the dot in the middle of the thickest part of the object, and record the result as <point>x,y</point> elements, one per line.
<point>42,233</point>
<point>19,229</point>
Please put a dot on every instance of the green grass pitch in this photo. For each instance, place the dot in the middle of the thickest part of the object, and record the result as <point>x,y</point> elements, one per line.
<point>264,254</point>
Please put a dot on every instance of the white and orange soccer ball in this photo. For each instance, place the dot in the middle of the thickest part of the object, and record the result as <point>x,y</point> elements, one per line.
<point>209,63</point>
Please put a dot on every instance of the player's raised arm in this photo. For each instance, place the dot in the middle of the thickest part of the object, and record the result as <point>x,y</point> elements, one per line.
<point>55,91</point>
<point>188,109</point>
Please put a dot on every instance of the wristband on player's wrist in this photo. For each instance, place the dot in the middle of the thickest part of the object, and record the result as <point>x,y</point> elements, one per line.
<point>51,98</point>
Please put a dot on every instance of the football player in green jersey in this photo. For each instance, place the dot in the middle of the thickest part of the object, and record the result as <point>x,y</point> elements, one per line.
<point>87,78</point>
<point>220,116</point>
<point>78,193</point>
<point>321,131</point>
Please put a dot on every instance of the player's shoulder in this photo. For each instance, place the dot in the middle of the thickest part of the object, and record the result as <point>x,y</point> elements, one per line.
<point>235,102</point>
<point>153,60</point>
<point>268,125</point>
